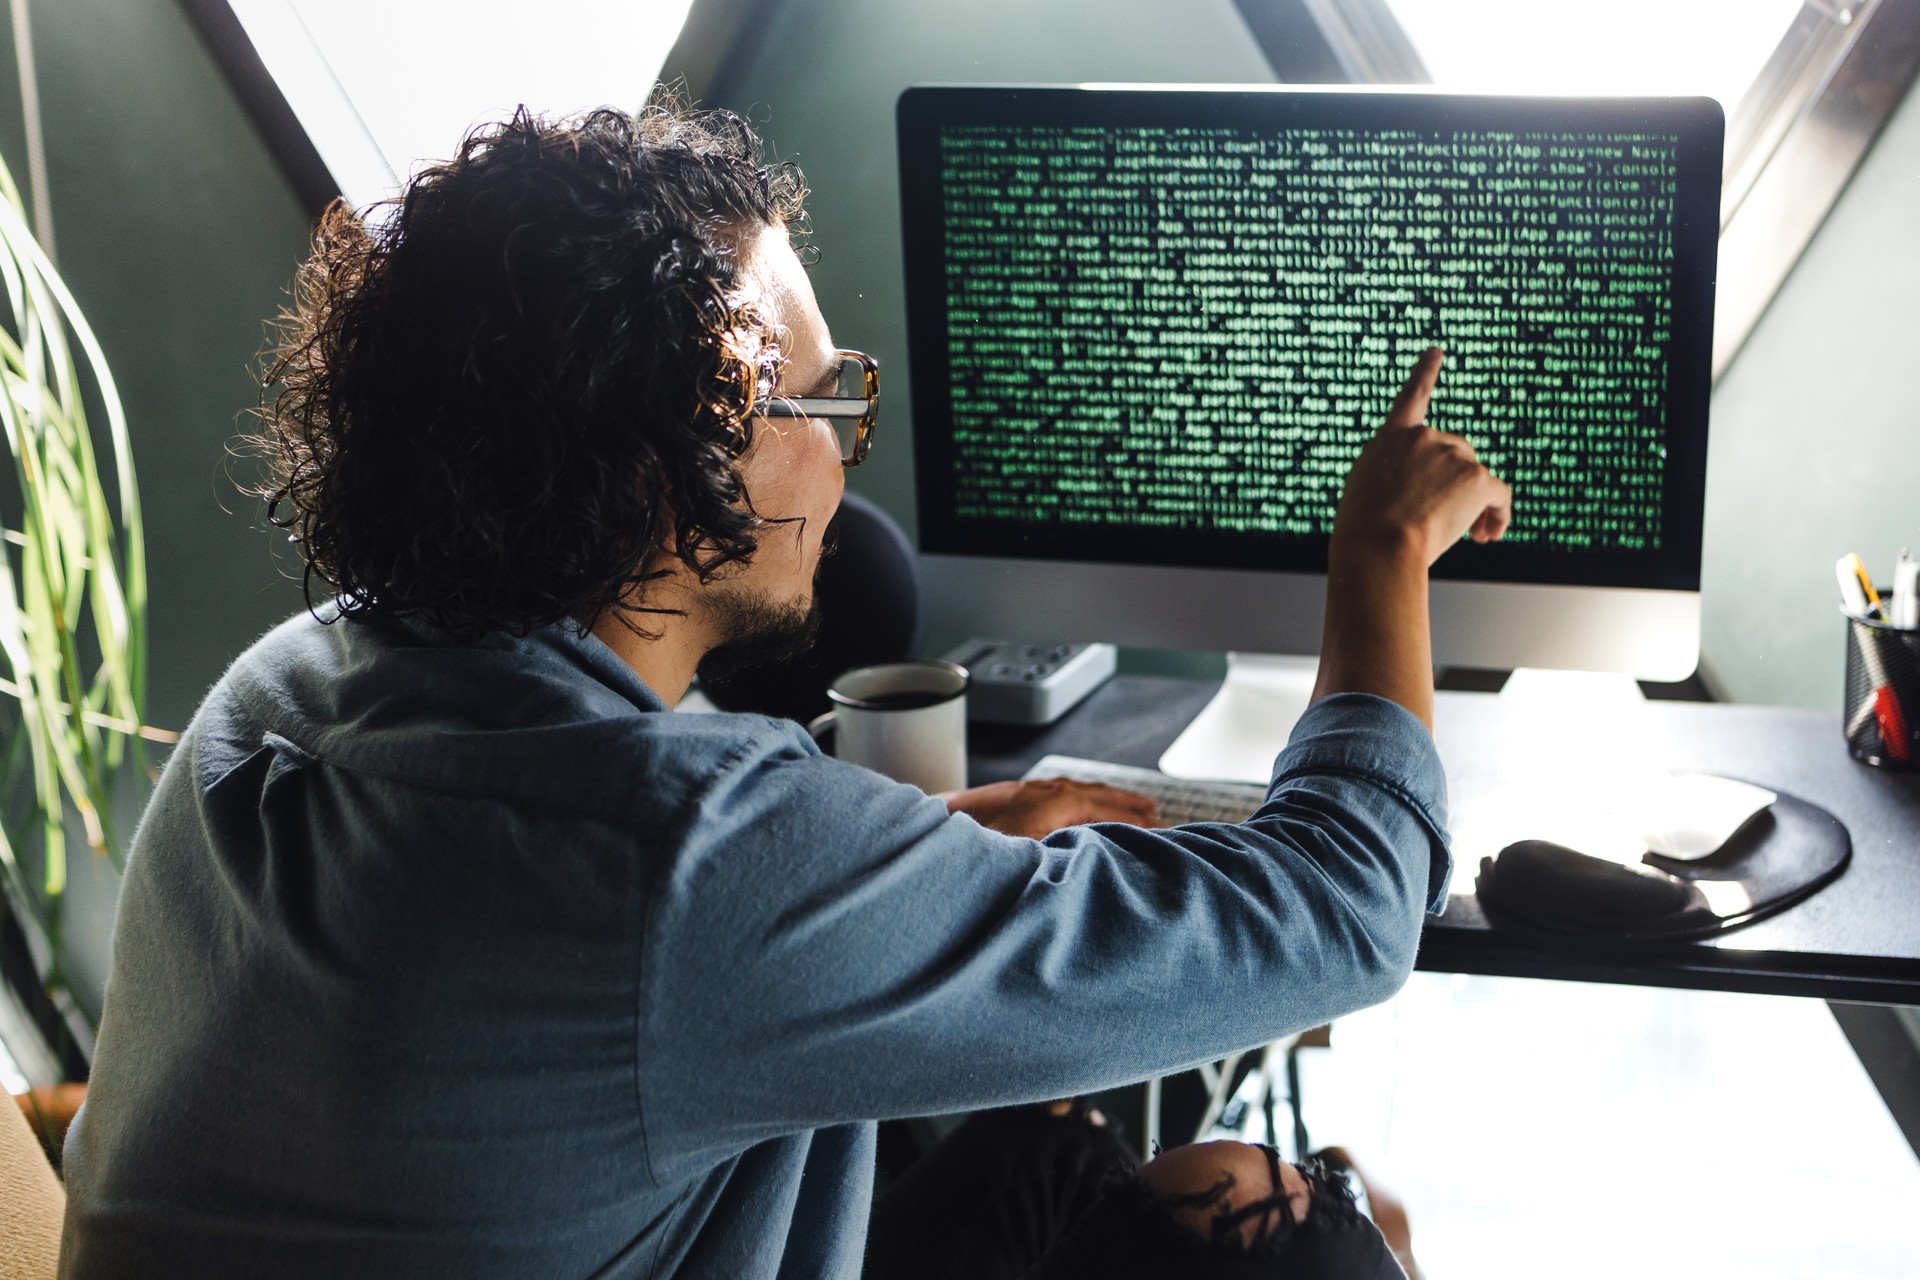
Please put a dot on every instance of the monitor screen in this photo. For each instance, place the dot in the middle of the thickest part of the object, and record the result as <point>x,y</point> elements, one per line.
<point>1155,326</point>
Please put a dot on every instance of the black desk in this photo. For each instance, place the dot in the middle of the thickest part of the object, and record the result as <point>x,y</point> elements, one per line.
<point>1856,940</point>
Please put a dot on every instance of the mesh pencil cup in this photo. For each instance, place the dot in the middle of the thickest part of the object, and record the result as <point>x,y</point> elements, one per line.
<point>1882,705</point>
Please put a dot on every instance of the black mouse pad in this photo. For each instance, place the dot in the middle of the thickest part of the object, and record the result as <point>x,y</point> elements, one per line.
<point>1788,851</point>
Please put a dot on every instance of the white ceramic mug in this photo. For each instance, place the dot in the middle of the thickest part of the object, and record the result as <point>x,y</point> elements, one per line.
<point>907,720</point>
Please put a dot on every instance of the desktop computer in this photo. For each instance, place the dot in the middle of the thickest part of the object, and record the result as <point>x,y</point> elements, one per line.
<point>1150,328</point>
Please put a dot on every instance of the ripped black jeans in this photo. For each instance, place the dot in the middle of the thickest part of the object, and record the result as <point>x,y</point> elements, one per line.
<point>1020,1194</point>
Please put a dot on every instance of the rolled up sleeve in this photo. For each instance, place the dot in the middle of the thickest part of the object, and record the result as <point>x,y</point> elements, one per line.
<point>1365,747</point>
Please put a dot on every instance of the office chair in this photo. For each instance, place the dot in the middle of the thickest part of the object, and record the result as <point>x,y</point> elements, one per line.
<point>32,1202</point>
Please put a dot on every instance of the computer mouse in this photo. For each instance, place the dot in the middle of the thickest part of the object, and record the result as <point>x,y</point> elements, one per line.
<point>1550,882</point>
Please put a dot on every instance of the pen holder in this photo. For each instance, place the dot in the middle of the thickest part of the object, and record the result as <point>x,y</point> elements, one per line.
<point>1882,706</point>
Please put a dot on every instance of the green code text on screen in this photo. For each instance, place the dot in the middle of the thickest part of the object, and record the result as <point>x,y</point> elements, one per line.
<point>1197,328</point>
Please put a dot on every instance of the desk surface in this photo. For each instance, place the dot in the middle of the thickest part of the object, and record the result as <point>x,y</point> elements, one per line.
<point>1858,939</point>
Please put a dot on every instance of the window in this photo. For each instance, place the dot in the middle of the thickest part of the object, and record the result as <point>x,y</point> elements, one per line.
<point>1712,47</point>
<point>377,87</point>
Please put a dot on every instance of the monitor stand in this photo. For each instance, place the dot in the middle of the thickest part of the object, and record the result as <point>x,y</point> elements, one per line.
<point>1236,736</point>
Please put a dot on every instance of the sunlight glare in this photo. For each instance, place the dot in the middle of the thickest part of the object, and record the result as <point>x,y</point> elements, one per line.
<point>422,74</point>
<point>1711,47</point>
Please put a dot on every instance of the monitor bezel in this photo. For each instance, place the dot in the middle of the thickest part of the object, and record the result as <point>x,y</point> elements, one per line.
<point>1697,122</point>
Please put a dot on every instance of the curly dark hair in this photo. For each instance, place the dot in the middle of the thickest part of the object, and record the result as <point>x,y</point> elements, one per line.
<point>508,400</point>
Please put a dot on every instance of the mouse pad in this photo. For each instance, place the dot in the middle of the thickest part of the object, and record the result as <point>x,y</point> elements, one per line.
<point>1783,854</point>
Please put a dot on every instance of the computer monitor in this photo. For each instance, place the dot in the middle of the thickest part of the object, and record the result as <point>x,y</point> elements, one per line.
<point>1150,328</point>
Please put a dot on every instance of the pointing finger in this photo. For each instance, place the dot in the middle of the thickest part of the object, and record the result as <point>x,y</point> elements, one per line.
<point>1410,406</point>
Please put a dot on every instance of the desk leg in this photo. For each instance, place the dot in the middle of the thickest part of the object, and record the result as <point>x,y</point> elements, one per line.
<point>1149,1147</point>
<point>1886,1039</point>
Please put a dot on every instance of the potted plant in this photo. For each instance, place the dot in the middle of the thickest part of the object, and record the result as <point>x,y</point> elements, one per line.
<point>73,593</point>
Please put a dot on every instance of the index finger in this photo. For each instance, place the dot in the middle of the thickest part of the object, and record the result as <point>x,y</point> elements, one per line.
<point>1410,406</point>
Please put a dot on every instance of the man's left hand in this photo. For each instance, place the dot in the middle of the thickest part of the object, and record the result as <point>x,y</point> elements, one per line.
<point>1040,806</point>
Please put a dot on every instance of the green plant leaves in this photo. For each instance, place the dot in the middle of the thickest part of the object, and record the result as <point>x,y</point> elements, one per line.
<point>73,583</point>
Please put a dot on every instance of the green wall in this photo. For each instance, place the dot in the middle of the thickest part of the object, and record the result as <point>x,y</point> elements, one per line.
<point>1816,441</point>
<point>178,237</point>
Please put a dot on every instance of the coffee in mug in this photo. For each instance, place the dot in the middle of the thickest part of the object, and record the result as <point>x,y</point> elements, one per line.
<point>907,720</point>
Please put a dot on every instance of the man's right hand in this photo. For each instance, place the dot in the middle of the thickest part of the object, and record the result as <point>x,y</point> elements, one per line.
<point>1416,488</point>
<point>1411,494</point>
<point>1037,807</point>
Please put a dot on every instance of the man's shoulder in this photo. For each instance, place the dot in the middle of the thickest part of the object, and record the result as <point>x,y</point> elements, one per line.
<point>549,719</point>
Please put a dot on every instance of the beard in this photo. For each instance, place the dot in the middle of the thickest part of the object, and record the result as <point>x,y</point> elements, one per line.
<point>759,631</point>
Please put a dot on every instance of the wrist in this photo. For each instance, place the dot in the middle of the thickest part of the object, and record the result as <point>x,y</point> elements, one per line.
<point>1392,553</point>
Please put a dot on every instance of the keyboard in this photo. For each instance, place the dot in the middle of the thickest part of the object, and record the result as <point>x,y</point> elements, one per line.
<point>1179,800</point>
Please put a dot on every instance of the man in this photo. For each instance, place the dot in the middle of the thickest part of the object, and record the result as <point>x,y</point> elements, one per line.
<point>446,948</point>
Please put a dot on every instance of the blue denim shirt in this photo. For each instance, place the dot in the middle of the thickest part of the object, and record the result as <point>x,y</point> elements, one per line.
<point>476,961</point>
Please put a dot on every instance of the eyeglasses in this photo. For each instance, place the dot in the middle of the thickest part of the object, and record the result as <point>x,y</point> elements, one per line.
<point>851,409</point>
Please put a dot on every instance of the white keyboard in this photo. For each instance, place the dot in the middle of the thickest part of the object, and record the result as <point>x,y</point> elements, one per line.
<point>1179,801</point>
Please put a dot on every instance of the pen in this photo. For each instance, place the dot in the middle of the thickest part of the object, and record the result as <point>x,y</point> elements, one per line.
<point>1893,724</point>
<point>1853,598</point>
<point>1859,600</point>
<point>1906,592</point>
<point>1850,563</point>
<point>1882,704</point>
<point>1903,613</point>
